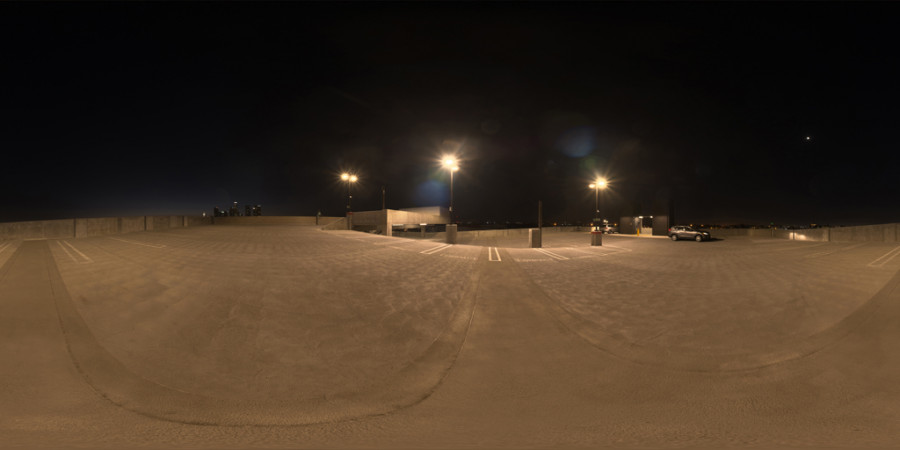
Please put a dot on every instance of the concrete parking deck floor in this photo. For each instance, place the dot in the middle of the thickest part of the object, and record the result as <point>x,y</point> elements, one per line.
<point>292,337</point>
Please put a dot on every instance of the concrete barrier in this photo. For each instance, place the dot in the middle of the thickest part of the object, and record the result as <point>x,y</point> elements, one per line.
<point>96,226</point>
<point>451,234</point>
<point>534,237</point>
<point>275,220</point>
<point>889,232</point>
<point>38,229</point>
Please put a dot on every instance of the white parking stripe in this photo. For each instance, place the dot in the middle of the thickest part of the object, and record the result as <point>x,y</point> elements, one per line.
<point>591,253</point>
<point>826,253</point>
<point>885,258</point>
<point>551,254</point>
<point>396,241</point>
<point>434,250</point>
<point>139,243</point>
<point>3,247</point>
<point>621,249</point>
<point>491,252</point>
<point>85,257</point>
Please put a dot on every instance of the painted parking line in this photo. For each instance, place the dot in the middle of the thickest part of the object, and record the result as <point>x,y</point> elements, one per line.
<point>434,250</point>
<point>552,255</point>
<point>494,251</point>
<point>3,247</point>
<point>816,255</point>
<point>139,243</point>
<point>591,253</point>
<point>885,258</point>
<point>796,247</point>
<point>397,241</point>
<point>83,258</point>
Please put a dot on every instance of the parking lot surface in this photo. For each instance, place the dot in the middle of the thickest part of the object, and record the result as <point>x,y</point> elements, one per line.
<point>287,336</point>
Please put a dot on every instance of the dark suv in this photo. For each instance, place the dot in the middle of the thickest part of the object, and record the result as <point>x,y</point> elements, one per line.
<point>685,232</point>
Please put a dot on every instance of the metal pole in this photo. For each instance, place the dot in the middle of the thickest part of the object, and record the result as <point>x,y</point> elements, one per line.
<point>540,215</point>
<point>349,197</point>
<point>451,194</point>
<point>597,199</point>
<point>598,207</point>
<point>382,197</point>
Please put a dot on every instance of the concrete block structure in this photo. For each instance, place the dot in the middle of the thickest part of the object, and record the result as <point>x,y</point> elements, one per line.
<point>386,220</point>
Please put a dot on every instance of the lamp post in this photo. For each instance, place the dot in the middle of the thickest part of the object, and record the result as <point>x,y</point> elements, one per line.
<point>452,166</point>
<point>596,186</point>
<point>349,179</point>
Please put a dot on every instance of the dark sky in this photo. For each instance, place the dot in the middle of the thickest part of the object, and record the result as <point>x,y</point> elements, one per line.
<point>173,108</point>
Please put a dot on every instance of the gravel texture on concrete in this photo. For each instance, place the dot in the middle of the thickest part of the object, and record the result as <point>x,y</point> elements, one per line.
<point>293,337</point>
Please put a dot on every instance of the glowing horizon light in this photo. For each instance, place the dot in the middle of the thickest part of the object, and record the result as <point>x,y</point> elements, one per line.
<point>600,183</point>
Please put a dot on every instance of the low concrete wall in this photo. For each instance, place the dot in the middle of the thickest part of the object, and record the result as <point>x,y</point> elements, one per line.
<point>97,226</point>
<point>889,232</point>
<point>746,232</point>
<point>518,232</point>
<point>274,220</point>
<point>878,233</point>
<point>131,224</point>
<point>39,229</point>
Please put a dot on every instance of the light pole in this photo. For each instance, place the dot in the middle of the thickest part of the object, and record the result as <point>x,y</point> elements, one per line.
<point>596,186</point>
<point>349,179</point>
<point>452,166</point>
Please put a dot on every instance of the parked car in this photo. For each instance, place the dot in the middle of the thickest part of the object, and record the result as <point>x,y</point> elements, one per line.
<point>685,232</point>
<point>609,229</point>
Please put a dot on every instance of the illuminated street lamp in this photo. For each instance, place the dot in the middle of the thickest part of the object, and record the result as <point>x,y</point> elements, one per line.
<point>350,179</point>
<point>451,165</point>
<point>596,186</point>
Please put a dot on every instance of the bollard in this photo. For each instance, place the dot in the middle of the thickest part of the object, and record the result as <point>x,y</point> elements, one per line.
<point>596,238</point>
<point>451,234</point>
<point>534,237</point>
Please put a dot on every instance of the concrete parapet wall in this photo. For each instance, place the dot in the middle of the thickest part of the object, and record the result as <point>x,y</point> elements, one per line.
<point>339,224</point>
<point>746,232</point>
<point>39,229</point>
<point>273,220</point>
<point>877,233</point>
<point>97,226</point>
<point>370,219</point>
<point>131,224</point>
<point>516,232</point>
<point>431,216</point>
<point>889,232</point>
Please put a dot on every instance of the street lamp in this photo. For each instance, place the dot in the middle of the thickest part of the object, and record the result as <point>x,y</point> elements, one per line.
<point>596,186</point>
<point>452,166</point>
<point>349,179</point>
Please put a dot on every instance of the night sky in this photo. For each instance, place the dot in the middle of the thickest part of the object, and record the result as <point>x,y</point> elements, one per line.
<point>112,109</point>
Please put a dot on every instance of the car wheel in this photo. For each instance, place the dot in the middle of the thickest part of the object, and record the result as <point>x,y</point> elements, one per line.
<point>698,238</point>
<point>674,237</point>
